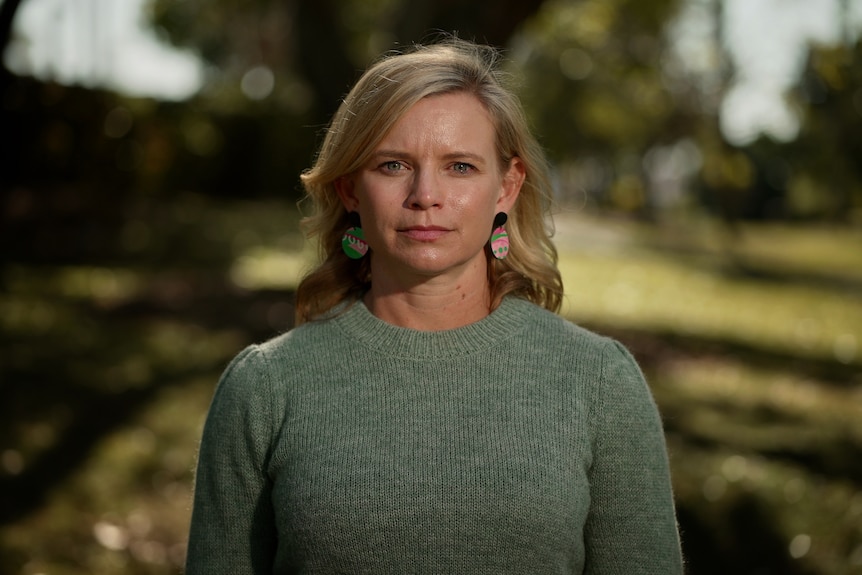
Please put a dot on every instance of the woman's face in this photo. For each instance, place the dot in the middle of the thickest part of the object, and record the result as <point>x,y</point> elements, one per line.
<point>428,195</point>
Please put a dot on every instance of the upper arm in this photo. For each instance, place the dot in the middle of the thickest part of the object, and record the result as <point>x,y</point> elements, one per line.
<point>631,527</point>
<point>233,527</point>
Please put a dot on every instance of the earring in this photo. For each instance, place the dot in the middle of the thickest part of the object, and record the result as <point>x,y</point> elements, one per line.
<point>499,237</point>
<point>353,241</point>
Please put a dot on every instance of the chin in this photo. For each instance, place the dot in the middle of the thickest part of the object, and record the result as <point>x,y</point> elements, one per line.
<point>434,264</point>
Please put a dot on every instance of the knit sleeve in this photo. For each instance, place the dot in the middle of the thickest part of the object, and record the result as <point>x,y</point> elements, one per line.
<point>232,527</point>
<point>631,526</point>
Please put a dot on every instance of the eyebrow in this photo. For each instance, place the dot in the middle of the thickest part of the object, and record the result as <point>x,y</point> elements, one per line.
<point>456,155</point>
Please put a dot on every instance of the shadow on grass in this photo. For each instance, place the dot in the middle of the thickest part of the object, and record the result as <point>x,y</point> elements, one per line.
<point>840,458</point>
<point>67,390</point>
<point>92,416</point>
<point>748,543</point>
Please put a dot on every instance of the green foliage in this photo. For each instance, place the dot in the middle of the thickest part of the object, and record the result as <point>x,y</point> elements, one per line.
<point>591,73</point>
<point>593,86</point>
<point>827,178</point>
<point>601,82</point>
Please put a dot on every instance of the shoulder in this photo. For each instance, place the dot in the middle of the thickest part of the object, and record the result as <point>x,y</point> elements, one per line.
<point>287,353</point>
<point>261,377</point>
<point>555,331</point>
<point>564,345</point>
<point>618,389</point>
<point>298,339</point>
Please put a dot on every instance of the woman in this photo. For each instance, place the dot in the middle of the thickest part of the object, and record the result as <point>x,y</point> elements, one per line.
<point>431,413</point>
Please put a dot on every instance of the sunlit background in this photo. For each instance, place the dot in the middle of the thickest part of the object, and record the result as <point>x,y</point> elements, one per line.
<point>708,162</point>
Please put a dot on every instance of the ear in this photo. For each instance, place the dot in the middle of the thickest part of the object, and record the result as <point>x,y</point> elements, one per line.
<point>345,188</point>
<point>513,179</point>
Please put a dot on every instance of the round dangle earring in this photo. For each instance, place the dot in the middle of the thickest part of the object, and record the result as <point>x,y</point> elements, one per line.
<point>499,237</point>
<point>353,241</point>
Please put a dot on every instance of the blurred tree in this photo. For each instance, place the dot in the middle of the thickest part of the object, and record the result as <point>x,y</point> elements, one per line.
<point>8,8</point>
<point>601,62</point>
<point>595,88</point>
<point>625,122</point>
<point>827,175</point>
<point>279,68</point>
<point>815,176</point>
<point>315,50</point>
<point>592,79</point>
<point>7,16</point>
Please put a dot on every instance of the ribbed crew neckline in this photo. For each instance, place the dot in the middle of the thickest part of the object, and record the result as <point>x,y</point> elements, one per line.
<point>363,327</point>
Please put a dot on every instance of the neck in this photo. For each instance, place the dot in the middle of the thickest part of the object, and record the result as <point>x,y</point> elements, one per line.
<point>431,305</point>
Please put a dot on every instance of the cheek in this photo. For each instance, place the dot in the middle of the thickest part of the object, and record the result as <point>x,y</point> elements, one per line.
<point>381,200</point>
<point>475,200</point>
<point>482,205</point>
<point>377,221</point>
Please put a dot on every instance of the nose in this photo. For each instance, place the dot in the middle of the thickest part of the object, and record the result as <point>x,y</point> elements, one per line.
<point>425,191</point>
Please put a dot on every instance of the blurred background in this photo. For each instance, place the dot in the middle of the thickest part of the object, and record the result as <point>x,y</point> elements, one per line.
<point>708,162</point>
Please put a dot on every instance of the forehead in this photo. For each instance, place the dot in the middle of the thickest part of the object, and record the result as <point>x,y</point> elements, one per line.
<point>453,120</point>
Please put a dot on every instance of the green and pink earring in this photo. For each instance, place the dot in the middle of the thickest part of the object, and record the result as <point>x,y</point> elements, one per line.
<point>353,241</point>
<point>499,237</point>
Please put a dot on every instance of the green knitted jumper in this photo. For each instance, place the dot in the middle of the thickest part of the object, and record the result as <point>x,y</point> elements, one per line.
<point>517,444</point>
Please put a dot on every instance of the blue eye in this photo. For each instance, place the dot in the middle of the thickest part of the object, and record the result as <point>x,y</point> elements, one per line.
<point>462,167</point>
<point>392,166</point>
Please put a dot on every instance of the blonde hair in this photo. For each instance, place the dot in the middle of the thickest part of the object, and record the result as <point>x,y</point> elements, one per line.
<point>382,95</point>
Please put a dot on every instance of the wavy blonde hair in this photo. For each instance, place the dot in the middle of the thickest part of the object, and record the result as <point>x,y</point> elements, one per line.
<point>380,97</point>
